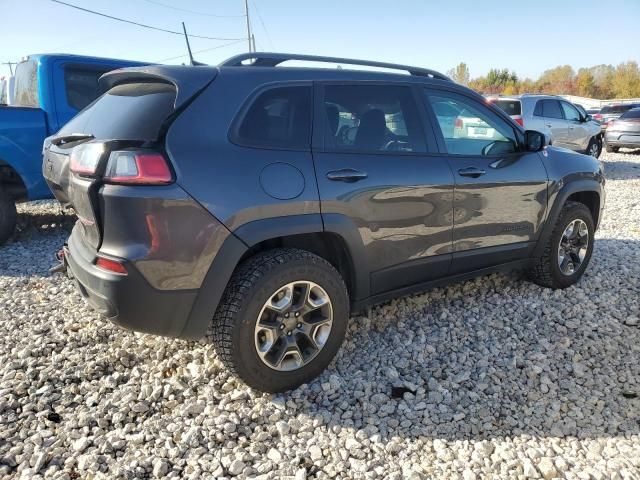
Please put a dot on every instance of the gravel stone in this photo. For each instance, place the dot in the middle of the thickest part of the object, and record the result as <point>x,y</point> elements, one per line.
<point>491,378</point>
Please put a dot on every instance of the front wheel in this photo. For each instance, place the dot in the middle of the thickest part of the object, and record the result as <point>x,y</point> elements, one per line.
<point>567,252</point>
<point>281,320</point>
<point>8,216</point>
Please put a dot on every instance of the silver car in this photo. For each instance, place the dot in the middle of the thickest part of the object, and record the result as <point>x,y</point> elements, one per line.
<point>623,131</point>
<point>563,123</point>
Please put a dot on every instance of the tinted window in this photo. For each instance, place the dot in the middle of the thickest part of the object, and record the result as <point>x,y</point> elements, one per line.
<point>280,118</point>
<point>81,86</point>
<point>551,109</point>
<point>26,86</point>
<point>570,112</point>
<point>134,111</point>
<point>470,128</point>
<point>635,113</point>
<point>511,107</point>
<point>617,108</point>
<point>372,118</point>
<point>538,110</point>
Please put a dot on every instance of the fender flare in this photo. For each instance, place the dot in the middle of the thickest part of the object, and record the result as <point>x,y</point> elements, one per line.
<point>242,239</point>
<point>559,199</point>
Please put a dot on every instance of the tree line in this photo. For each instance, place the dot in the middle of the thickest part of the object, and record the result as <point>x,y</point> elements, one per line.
<point>599,81</point>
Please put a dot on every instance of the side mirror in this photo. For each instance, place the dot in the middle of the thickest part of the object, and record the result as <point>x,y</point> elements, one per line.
<point>588,118</point>
<point>534,141</point>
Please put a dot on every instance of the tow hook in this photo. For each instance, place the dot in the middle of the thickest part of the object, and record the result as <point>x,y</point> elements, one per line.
<point>61,266</point>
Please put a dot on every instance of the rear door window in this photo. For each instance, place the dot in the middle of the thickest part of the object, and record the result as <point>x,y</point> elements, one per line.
<point>132,111</point>
<point>372,118</point>
<point>551,109</point>
<point>279,117</point>
<point>81,85</point>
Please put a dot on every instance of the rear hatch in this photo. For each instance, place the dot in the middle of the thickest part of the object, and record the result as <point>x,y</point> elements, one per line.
<point>124,125</point>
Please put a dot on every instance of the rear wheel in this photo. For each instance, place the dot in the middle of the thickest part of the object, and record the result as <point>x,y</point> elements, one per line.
<point>8,216</point>
<point>568,251</point>
<point>595,147</point>
<point>282,319</point>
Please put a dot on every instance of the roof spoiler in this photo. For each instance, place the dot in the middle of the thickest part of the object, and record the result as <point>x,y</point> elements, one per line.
<point>187,81</point>
<point>266,59</point>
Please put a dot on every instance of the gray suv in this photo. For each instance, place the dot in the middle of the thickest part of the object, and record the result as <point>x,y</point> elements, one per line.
<point>257,205</point>
<point>564,124</point>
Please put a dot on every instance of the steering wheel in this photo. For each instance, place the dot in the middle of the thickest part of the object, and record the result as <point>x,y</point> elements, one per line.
<point>396,146</point>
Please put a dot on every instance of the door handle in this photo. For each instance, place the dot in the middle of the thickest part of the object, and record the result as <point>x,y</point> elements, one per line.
<point>346,175</point>
<point>571,127</point>
<point>472,172</point>
<point>549,125</point>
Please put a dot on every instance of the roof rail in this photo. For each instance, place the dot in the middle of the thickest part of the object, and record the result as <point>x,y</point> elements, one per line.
<point>266,59</point>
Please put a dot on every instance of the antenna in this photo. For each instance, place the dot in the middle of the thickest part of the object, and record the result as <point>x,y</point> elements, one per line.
<point>186,37</point>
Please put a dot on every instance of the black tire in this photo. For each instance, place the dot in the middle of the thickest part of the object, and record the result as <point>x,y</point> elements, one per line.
<point>8,216</point>
<point>252,284</point>
<point>545,270</point>
<point>595,141</point>
<point>611,149</point>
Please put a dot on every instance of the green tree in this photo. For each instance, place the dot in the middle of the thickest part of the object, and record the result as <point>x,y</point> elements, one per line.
<point>460,74</point>
<point>626,80</point>
<point>585,83</point>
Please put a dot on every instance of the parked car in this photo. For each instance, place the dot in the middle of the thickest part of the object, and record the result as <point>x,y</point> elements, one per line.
<point>257,205</point>
<point>595,114</point>
<point>624,131</point>
<point>564,124</point>
<point>48,91</point>
<point>611,112</point>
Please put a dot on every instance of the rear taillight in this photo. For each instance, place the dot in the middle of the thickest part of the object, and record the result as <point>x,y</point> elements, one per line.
<point>597,116</point>
<point>112,266</point>
<point>519,121</point>
<point>610,123</point>
<point>458,123</point>
<point>138,168</point>
<point>84,159</point>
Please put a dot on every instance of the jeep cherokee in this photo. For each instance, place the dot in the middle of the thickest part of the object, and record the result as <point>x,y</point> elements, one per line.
<point>256,204</point>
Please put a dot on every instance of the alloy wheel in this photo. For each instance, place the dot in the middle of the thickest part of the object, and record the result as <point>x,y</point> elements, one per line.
<point>573,247</point>
<point>293,326</point>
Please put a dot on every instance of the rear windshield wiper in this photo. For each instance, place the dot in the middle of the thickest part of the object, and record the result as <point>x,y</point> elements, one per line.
<point>72,137</point>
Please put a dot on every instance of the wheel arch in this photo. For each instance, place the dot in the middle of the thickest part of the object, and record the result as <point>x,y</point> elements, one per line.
<point>12,180</point>
<point>586,191</point>
<point>332,237</point>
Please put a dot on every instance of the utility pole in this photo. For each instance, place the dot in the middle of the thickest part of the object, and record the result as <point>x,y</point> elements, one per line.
<point>246,14</point>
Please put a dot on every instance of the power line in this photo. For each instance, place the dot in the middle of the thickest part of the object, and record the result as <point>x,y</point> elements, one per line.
<point>201,51</point>
<point>255,7</point>
<point>139,24</point>
<point>192,11</point>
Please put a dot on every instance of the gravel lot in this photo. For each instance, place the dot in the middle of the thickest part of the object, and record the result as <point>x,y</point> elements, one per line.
<point>491,378</point>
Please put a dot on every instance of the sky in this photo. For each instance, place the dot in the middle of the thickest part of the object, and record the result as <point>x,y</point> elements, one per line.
<point>527,37</point>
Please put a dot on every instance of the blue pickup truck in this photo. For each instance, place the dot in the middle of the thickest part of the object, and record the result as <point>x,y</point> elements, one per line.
<point>48,90</point>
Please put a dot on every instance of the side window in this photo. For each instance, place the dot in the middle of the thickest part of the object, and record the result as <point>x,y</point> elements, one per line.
<point>372,118</point>
<point>551,109</point>
<point>538,110</point>
<point>81,85</point>
<point>469,128</point>
<point>570,112</point>
<point>278,118</point>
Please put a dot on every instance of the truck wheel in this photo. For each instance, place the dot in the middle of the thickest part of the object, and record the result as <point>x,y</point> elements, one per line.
<point>612,149</point>
<point>281,320</point>
<point>595,147</point>
<point>8,216</point>
<point>568,250</point>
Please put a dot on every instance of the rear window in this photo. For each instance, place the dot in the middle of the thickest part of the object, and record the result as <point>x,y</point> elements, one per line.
<point>81,85</point>
<point>510,107</point>
<point>133,111</point>
<point>635,113</point>
<point>279,118</point>
<point>26,84</point>
<point>615,108</point>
